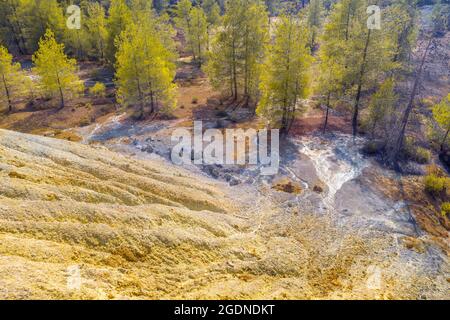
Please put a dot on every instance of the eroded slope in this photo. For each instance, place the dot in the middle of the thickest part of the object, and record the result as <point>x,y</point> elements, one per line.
<point>144,229</point>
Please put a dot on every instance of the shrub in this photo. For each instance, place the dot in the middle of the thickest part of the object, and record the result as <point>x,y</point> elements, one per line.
<point>421,155</point>
<point>415,153</point>
<point>372,148</point>
<point>434,184</point>
<point>194,100</point>
<point>98,90</point>
<point>445,208</point>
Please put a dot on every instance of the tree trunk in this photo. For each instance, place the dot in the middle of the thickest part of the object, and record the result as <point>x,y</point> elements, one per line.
<point>445,139</point>
<point>360,82</point>
<point>152,102</point>
<point>284,121</point>
<point>8,97</point>
<point>199,45</point>
<point>207,37</point>
<point>399,143</point>
<point>313,40</point>
<point>347,24</point>
<point>234,72</point>
<point>61,95</point>
<point>188,23</point>
<point>374,126</point>
<point>22,51</point>
<point>246,71</point>
<point>327,113</point>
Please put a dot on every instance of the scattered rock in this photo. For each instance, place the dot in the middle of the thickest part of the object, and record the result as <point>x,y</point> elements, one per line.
<point>287,185</point>
<point>234,182</point>
<point>414,244</point>
<point>212,171</point>
<point>319,187</point>
<point>148,149</point>
<point>412,168</point>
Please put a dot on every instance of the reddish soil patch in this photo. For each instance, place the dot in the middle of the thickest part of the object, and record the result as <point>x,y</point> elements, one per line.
<point>313,123</point>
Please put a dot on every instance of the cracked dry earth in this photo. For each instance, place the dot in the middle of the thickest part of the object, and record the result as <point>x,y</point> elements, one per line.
<point>140,229</point>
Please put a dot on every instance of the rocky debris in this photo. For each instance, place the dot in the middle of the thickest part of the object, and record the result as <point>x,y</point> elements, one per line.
<point>284,184</point>
<point>219,172</point>
<point>414,244</point>
<point>319,187</point>
<point>412,168</point>
<point>148,148</point>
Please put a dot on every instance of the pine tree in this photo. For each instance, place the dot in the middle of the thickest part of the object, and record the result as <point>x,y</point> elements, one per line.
<point>144,70</point>
<point>212,11</point>
<point>160,5</point>
<point>314,19</point>
<point>364,54</point>
<point>56,71</point>
<point>285,76</point>
<point>96,25</point>
<point>329,82</point>
<point>183,21</point>
<point>237,51</point>
<point>441,114</point>
<point>199,33</point>
<point>382,106</point>
<point>440,19</point>
<point>12,27</point>
<point>78,41</point>
<point>12,79</point>
<point>44,14</point>
<point>118,20</point>
<point>402,21</point>
<point>396,148</point>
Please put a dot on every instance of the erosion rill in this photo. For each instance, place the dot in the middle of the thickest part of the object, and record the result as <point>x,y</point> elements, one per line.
<point>145,229</point>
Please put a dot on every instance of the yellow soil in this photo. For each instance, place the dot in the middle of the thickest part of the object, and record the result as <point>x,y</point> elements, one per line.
<point>150,230</point>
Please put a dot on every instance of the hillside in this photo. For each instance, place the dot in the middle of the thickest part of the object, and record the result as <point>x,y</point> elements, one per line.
<point>145,229</point>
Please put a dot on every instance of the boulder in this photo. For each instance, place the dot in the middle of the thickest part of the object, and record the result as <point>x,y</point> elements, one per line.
<point>319,187</point>
<point>286,185</point>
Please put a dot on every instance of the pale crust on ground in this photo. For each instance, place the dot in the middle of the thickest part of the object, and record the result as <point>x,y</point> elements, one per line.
<point>146,230</point>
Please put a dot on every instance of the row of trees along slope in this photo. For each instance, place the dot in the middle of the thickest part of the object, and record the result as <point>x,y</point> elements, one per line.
<point>320,49</point>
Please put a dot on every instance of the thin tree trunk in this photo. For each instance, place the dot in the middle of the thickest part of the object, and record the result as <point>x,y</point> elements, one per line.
<point>399,143</point>
<point>7,94</point>
<point>445,139</point>
<point>188,23</point>
<point>207,37</point>
<point>234,71</point>
<point>199,45</point>
<point>152,102</point>
<point>360,82</point>
<point>284,121</point>
<point>22,51</point>
<point>246,75</point>
<point>347,24</point>
<point>374,126</point>
<point>62,104</point>
<point>327,113</point>
<point>141,96</point>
